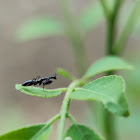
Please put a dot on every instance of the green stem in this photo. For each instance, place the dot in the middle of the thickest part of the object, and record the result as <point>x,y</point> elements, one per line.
<point>37,135</point>
<point>111,28</point>
<point>61,89</point>
<point>72,118</point>
<point>105,8</point>
<point>110,36</point>
<point>65,108</point>
<point>106,118</point>
<point>52,120</point>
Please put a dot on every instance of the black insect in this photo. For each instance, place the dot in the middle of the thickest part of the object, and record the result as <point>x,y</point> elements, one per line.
<point>39,81</point>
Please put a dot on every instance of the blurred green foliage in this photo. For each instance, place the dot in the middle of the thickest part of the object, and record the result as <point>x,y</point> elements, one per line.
<point>48,26</point>
<point>112,86</point>
<point>39,27</point>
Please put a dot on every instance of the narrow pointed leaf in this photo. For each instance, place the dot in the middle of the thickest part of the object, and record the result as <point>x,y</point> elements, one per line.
<point>91,17</point>
<point>109,90</point>
<point>128,27</point>
<point>37,91</point>
<point>39,27</point>
<point>65,74</point>
<point>27,133</point>
<point>81,132</point>
<point>105,64</point>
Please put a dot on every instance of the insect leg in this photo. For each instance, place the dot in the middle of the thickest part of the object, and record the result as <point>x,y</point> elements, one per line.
<point>37,78</point>
<point>47,82</point>
<point>43,89</point>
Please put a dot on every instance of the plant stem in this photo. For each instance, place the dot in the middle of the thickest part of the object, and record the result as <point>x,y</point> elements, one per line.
<point>110,36</point>
<point>106,123</point>
<point>37,135</point>
<point>65,108</point>
<point>62,89</point>
<point>72,118</point>
<point>52,120</point>
<point>111,28</point>
<point>106,118</point>
<point>105,8</point>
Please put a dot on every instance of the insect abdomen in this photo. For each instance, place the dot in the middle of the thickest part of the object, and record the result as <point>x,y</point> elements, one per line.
<point>27,83</point>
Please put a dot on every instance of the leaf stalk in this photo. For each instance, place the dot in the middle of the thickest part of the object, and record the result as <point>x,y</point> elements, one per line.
<point>65,108</point>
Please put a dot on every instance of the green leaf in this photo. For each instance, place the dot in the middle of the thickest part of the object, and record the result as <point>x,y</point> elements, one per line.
<point>27,133</point>
<point>132,79</point>
<point>81,132</point>
<point>105,64</point>
<point>126,14</point>
<point>37,91</point>
<point>39,27</point>
<point>91,17</point>
<point>109,90</point>
<point>68,138</point>
<point>65,74</point>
